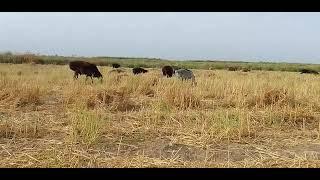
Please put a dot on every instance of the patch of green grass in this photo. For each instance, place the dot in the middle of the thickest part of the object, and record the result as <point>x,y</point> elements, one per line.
<point>154,62</point>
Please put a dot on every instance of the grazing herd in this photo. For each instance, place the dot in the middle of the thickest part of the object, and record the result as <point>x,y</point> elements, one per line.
<point>91,70</point>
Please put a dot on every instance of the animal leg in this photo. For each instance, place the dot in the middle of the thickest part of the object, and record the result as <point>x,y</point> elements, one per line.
<point>75,75</point>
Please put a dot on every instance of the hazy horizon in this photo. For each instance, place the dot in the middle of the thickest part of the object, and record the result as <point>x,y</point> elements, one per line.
<point>232,36</point>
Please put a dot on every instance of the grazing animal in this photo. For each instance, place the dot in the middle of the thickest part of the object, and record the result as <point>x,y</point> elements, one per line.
<point>308,71</point>
<point>86,68</point>
<point>167,71</point>
<point>186,74</point>
<point>115,65</point>
<point>246,70</point>
<point>139,70</point>
<point>232,68</point>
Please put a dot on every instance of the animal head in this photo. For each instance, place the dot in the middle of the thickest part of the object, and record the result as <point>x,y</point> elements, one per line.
<point>115,65</point>
<point>97,74</point>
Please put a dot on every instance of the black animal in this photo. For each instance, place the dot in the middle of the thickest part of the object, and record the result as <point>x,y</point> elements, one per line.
<point>115,65</point>
<point>308,71</point>
<point>246,70</point>
<point>139,70</point>
<point>233,68</point>
<point>167,71</point>
<point>86,68</point>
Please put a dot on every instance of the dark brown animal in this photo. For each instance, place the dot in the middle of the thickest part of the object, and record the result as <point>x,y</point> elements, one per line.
<point>308,71</point>
<point>139,70</point>
<point>167,71</point>
<point>115,65</point>
<point>86,68</point>
<point>232,68</point>
<point>246,70</point>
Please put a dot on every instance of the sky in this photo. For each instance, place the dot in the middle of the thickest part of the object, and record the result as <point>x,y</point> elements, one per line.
<point>237,36</point>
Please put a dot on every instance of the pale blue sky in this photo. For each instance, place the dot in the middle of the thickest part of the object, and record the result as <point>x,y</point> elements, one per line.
<point>246,36</point>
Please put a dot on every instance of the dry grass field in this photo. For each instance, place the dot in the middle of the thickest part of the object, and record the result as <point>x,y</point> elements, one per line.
<point>230,119</point>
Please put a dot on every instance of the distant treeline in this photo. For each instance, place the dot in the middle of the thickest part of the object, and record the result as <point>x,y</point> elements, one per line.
<point>154,62</point>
